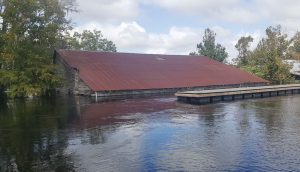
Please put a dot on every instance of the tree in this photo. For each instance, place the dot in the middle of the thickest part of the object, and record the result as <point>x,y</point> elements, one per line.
<point>29,31</point>
<point>267,58</point>
<point>90,41</point>
<point>209,48</point>
<point>242,47</point>
<point>294,49</point>
<point>277,40</point>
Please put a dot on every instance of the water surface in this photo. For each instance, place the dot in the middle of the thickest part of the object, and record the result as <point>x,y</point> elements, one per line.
<point>150,134</point>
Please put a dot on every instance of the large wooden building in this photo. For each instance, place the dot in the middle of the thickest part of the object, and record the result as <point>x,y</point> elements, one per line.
<point>109,74</point>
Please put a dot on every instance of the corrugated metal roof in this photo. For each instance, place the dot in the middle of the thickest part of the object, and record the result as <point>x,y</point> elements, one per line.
<point>103,71</point>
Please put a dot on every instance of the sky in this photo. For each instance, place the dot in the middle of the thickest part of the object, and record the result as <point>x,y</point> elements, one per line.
<point>177,26</point>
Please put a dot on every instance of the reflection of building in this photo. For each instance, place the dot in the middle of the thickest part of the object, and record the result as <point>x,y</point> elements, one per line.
<point>115,112</point>
<point>113,74</point>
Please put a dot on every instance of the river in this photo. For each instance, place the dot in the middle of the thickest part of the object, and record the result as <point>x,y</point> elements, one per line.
<point>150,134</point>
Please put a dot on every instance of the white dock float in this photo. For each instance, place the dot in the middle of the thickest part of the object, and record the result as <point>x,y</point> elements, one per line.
<point>230,94</point>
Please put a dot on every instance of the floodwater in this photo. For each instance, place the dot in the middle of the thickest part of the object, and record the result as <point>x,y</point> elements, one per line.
<point>150,134</point>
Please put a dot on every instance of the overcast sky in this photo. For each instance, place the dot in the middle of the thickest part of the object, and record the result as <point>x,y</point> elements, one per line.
<point>176,26</point>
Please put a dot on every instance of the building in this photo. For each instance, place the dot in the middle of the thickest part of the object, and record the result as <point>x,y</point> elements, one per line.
<point>295,70</point>
<point>115,74</point>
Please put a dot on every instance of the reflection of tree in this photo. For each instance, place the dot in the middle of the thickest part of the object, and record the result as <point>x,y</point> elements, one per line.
<point>30,139</point>
<point>96,136</point>
<point>210,113</point>
<point>269,112</point>
<point>93,136</point>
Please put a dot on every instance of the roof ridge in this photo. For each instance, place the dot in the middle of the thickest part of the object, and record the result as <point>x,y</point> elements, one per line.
<point>135,53</point>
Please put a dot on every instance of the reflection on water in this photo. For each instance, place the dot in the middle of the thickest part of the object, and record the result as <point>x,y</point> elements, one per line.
<point>75,134</point>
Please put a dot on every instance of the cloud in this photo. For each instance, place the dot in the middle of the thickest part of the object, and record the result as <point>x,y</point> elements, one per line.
<point>286,13</point>
<point>279,10</point>
<point>105,11</point>
<point>212,12</point>
<point>240,12</point>
<point>189,6</point>
<point>130,36</point>
<point>230,43</point>
<point>129,10</point>
<point>234,11</point>
<point>122,21</point>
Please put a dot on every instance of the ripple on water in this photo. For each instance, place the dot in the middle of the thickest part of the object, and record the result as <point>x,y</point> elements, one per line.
<point>154,134</point>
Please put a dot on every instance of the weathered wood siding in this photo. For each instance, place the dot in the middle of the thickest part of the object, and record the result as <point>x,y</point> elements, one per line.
<point>72,84</point>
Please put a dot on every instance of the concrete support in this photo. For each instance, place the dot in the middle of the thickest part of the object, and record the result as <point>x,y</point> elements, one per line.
<point>273,93</point>
<point>281,93</point>
<point>257,95</point>
<point>227,98</point>
<point>238,97</point>
<point>248,96</point>
<point>288,92</point>
<point>266,94</point>
<point>96,96</point>
<point>296,91</point>
<point>216,99</point>
<point>205,100</point>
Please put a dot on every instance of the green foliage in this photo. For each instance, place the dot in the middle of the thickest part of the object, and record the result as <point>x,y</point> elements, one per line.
<point>209,48</point>
<point>29,31</point>
<point>242,47</point>
<point>256,70</point>
<point>294,49</point>
<point>90,41</point>
<point>266,60</point>
<point>276,41</point>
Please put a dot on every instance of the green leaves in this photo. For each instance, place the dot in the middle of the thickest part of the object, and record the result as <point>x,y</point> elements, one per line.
<point>209,48</point>
<point>242,47</point>
<point>294,49</point>
<point>90,41</point>
<point>29,32</point>
<point>266,60</point>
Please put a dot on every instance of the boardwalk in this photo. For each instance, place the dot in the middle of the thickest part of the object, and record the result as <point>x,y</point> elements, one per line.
<point>230,94</point>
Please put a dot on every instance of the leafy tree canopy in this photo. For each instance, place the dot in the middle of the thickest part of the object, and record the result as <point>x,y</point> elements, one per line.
<point>29,31</point>
<point>266,60</point>
<point>90,41</point>
<point>242,47</point>
<point>209,48</point>
<point>294,49</point>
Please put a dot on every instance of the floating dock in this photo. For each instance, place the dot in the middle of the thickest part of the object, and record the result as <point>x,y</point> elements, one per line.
<point>231,94</point>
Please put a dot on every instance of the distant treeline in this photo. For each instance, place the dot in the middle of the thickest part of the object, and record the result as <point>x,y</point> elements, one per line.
<point>266,60</point>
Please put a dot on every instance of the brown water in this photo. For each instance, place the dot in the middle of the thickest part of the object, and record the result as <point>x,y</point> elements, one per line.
<point>154,134</point>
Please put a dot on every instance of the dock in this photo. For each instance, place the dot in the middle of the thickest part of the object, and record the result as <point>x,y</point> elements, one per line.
<point>231,94</point>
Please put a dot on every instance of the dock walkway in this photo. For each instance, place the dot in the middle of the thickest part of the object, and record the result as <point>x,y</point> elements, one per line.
<point>230,94</point>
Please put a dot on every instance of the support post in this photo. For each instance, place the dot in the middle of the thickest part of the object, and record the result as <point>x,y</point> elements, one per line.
<point>96,96</point>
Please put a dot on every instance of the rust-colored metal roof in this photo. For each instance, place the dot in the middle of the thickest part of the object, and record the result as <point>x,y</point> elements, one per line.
<point>103,71</point>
